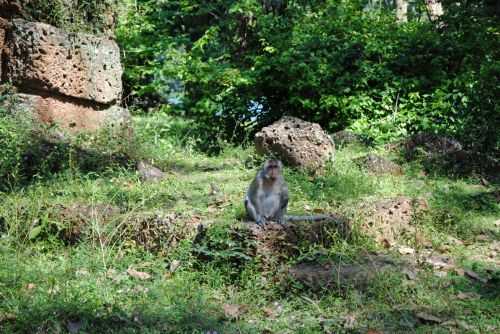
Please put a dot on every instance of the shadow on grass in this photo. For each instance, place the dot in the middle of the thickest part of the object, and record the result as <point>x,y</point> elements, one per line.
<point>485,202</point>
<point>46,159</point>
<point>76,317</point>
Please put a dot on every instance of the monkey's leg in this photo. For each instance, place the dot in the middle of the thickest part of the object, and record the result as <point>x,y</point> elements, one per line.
<point>252,212</point>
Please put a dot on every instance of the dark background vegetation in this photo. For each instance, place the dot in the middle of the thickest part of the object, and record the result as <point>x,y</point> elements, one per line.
<point>239,65</point>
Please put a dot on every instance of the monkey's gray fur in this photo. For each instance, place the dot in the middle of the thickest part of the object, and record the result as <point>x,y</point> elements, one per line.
<point>267,196</point>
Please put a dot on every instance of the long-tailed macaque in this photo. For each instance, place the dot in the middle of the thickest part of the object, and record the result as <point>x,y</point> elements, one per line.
<point>267,197</point>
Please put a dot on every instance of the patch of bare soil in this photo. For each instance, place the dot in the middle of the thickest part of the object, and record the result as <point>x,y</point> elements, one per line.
<point>75,218</point>
<point>390,220</point>
<point>275,240</point>
<point>158,231</point>
<point>359,275</point>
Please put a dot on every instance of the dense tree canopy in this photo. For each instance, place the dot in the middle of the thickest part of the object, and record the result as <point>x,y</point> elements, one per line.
<point>235,65</point>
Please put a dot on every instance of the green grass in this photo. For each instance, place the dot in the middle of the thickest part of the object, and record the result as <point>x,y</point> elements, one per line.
<point>46,282</point>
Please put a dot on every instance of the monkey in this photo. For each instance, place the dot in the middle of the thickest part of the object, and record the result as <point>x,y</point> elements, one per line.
<point>267,197</point>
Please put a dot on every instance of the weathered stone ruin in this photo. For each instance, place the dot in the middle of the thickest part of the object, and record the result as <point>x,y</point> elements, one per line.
<point>298,143</point>
<point>72,80</point>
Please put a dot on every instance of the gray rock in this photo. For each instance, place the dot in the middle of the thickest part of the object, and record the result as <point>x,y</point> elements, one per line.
<point>379,165</point>
<point>296,142</point>
<point>148,172</point>
<point>41,57</point>
<point>389,220</point>
<point>431,145</point>
<point>359,275</point>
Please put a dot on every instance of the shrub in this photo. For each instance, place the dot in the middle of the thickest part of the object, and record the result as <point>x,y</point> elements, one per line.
<point>239,65</point>
<point>31,149</point>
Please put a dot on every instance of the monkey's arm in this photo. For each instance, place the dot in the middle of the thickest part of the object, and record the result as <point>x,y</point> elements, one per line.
<point>252,212</point>
<point>283,205</point>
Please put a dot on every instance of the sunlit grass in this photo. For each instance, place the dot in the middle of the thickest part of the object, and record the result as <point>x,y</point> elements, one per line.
<point>46,284</point>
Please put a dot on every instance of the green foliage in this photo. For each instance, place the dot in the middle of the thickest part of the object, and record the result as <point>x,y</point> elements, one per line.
<point>93,16</point>
<point>31,150</point>
<point>227,248</point>
<point>15,140</point>
<point>242,64</point>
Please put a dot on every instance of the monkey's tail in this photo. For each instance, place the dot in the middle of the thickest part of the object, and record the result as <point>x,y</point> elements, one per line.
<point>310,218</point>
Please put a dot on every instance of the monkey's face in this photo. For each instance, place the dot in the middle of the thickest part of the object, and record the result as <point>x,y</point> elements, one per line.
<point>272,169</point>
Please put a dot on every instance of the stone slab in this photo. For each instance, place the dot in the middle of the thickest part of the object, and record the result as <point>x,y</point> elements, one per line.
<point>44,58</point>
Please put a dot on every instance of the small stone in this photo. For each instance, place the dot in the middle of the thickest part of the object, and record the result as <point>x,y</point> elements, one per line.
<point>148,172</point>
<point>379,165</point>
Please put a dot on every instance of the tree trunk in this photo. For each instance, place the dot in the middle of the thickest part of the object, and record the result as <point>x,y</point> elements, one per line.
<point>402,11</point>
<point>434,9</point>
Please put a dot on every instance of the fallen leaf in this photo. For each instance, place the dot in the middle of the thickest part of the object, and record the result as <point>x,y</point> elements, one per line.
<point>7,317</point>
<point>350,321</point>
<point>454,241</point>
<point>428,317</point>
<point>372,331</point>
<point>174,265</point>
<point>468,295</point>
<point>482,237</point>
<point>140,289</point>
<point>111,273</point>
<point>440,262</point>
<point>491,328</point>
<point>421,240</point>
<point>82,272</point>
<point>440,273</point>
<point>138,274</point>
<point>233,311</point>
<point>52,291</point>
<point>406,250</point>
<point>485,182</point>
<point>475,276</point>
<point>444,249</point>
<point>410,274</point>
<point>457,323</point>
<point>386,243</point>
<point>269,312</point>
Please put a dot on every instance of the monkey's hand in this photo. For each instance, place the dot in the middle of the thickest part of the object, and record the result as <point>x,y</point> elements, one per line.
<point>260,221</point>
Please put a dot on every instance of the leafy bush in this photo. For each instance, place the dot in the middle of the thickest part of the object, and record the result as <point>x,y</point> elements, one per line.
<point>14,141</point>
<point>228,249</point>
<point>94,16</point>
<point>31,149</point>
<point>238,65</point>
